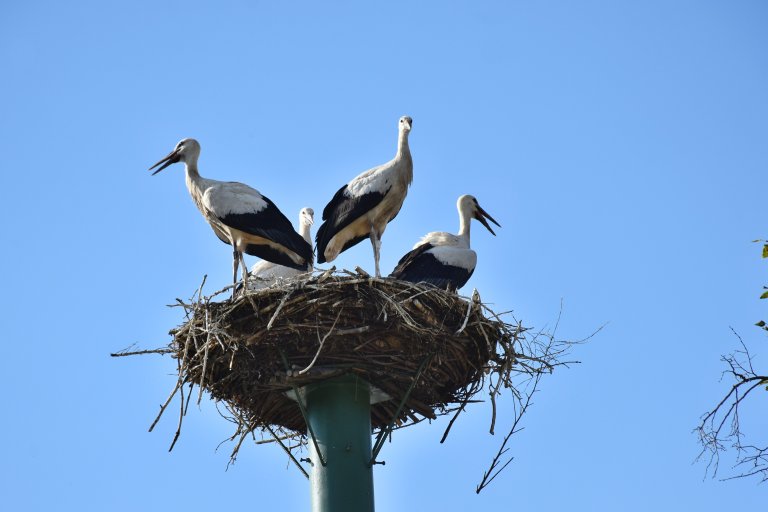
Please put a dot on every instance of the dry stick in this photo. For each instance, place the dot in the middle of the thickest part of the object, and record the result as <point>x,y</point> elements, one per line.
<point>288,451</point>
<point>490,475</point>
<point>200,289</point>
<point>305,370</point>
<point>492,392</point>
<point>205,360</point>
<point>160,351</point>
<point>181,417</point>
<point>325,275</point>
<point>279,307</point>
<point>162,408</point>
<point>236,449</point>
<point>466,319</point>
<point>450,424</point>
<point>189,396</point>
<point>279,438</point>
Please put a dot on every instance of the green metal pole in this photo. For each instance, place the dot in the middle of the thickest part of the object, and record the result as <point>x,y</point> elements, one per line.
<point>339,412</point>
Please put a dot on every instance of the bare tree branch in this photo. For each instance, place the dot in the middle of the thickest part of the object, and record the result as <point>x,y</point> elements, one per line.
<point>720,429</point>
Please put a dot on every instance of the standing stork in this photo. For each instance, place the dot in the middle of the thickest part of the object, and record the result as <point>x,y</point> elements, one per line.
<point>240,216</point>
<point>264,273</point>
<point>362,208</point>
<point>443,259</point>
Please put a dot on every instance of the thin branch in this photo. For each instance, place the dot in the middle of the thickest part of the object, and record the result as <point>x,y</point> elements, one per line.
<point>713,436</point>
<point>322,342</point>
<point>493,471</point>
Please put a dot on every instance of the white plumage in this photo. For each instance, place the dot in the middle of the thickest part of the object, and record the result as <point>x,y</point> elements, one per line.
<point>362,208</point>
<point>443,259</point>
<point>265,273</point>
<point>240,216</point>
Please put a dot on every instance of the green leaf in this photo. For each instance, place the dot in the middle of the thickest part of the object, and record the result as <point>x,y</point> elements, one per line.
<point>761,323</point>
<point>765,250</point>
<point>764,295</point>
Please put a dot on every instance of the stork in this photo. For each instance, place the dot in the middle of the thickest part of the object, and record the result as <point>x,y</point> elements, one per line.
<point>240,216</point>
<point>264,273</point>
<point>362,208</point>
<point>443,259</point>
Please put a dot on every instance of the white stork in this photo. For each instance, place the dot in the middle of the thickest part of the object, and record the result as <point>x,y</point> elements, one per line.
<point>240,216</point>
<point>362,208</point>
<point>265,273</point>
<point>443,259</point>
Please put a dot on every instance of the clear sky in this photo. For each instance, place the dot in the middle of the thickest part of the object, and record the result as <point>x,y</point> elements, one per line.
<point>623,147</point>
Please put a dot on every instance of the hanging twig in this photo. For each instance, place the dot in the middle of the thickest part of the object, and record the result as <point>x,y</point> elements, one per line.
<point>494,469</point>
<point>162,407</point>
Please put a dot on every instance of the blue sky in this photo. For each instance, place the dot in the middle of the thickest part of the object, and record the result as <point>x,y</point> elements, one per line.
<point>621,145</point>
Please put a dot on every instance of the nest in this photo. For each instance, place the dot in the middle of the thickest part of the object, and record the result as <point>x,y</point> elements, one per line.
<point>420,344</point>
<point>426,352</point>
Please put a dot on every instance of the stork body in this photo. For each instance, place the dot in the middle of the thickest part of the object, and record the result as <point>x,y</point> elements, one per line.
<point>240,216</point>
<point>363,207</point>
<point>443,259</point>
<point>265,273</point>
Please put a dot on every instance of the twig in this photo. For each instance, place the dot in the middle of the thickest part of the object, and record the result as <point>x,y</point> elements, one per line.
<point>161,351</point>
<point>322,342</point>
<point>279,307</point>
<point>181,418</point>
<point>470,303</point>
<point>493,471</point>
<point>162,407</point>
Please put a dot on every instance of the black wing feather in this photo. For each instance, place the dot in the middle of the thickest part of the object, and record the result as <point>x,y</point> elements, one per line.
<point>339,213</point>
<point>270,223</point>
<point>419,266</point>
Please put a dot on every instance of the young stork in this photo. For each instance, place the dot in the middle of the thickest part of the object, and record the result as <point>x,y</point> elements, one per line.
<point>265,273</point>
<point>240,216</point>
<point>443,259</point>
<point>362,208</point>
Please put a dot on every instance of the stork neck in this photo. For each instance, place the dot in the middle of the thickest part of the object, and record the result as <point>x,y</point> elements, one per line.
<point>304,232</point>
<point>194,184</point>
<point>403,157</point>
<point>193,175</point>
<point>403,151</point>
<point>464,224</point>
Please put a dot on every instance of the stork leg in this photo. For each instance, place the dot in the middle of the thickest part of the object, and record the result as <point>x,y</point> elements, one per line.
<point>235,262</point>
<point>376,243</point>
<point>245,271</point>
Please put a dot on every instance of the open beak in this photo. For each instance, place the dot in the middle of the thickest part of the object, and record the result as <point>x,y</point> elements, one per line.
<point>481,215</point>
<point>172,158</point>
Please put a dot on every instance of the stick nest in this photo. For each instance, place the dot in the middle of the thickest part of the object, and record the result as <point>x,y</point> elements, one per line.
<point>256,351</point>
<point>427,352</point>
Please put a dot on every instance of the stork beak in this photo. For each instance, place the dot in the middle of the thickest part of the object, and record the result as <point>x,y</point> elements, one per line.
<point>481,215</point>
<point>172,158</point>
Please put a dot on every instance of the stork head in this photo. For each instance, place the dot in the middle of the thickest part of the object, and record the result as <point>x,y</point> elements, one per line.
<point>406,123</point>
<point>185,151</point>
<point>469,207</point>
<point>306,217</point>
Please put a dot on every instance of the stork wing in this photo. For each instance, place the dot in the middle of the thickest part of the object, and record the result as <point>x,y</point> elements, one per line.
<point>408,261</point>
<point>243,208</point>
<point>342,211</point>
<point>422,266</point>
